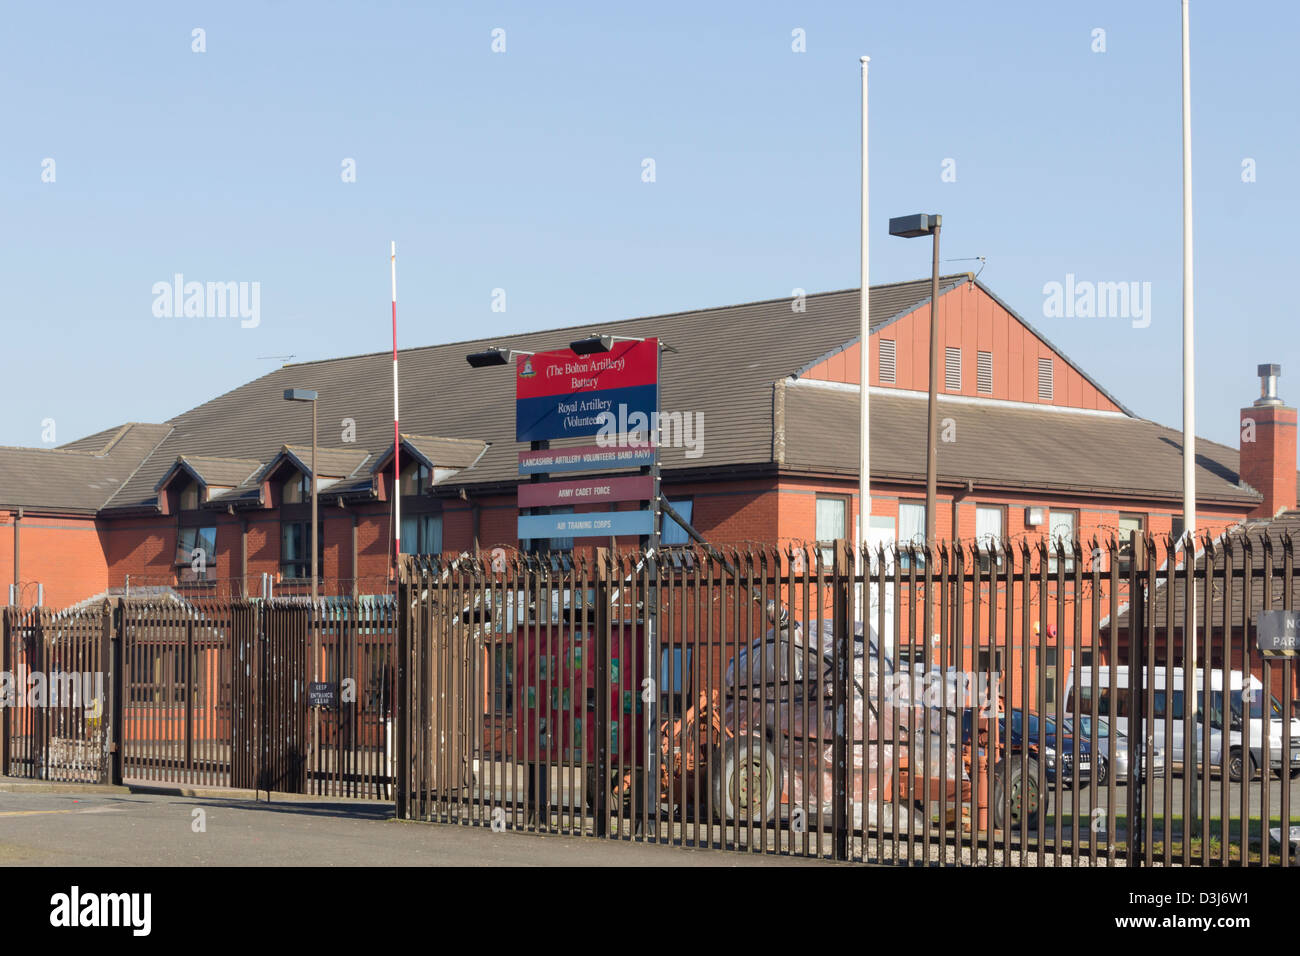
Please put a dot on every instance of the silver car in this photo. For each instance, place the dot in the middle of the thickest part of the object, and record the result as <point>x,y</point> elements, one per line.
<point>1122,756</point>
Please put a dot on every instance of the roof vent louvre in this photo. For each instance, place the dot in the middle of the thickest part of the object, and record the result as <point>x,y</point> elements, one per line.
<point>952,369</point>
<point>888,362</point>
<point>984,372</point>
<point>1046,389</point>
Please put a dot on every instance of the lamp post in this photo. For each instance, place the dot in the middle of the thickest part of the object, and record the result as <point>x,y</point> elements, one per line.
<point>909,227</point>
<point>307,395</point>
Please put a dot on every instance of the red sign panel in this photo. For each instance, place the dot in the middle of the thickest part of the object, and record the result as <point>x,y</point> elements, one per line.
<point>626,365</point>
<point>588,491</point>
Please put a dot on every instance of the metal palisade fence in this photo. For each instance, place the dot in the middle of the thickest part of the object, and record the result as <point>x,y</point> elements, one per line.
<point>203,691</point>
<point>1012,703</point>
<point>1019,703</point>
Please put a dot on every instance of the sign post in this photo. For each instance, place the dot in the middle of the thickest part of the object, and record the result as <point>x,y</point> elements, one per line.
<point>613,394</point>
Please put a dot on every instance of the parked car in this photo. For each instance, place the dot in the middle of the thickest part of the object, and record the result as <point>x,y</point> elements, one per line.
<point>1244,731</point>
<point>1038,738</point>
<point>1101,766</point>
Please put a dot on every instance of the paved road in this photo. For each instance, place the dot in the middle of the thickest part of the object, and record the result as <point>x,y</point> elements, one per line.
<point>131,829</point>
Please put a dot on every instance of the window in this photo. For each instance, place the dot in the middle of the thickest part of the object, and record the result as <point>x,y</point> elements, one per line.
<point>1177,527</point>
<point>1128,523</point>
<point>1046,388</point>
<point>188,539</point>
<point>984,372</point>
<point>990,522</point>
<point>982,663</point>
<point>297,490</point>
<point>911,530</point>
<point>952,369</point>
<point>1160,702</point>
<point>888,362</point>
<point>422,534</point>
<point>295,549</point>
<point>157,675</point>
<point>832,524</point>
<point>1064,527</point>
<point>672,533</point>
<point>415,479</point>
<point>191,496</point>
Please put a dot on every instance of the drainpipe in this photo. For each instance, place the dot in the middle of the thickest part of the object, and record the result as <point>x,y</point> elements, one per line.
<point>355,570</point>
<point>243,556</point>
<point>17,597</point>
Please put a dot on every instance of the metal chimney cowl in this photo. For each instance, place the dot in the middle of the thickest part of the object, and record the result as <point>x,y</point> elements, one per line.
<point>1268,376</point>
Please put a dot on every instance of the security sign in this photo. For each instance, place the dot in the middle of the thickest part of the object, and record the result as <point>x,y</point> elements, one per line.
<point>1277,634</point>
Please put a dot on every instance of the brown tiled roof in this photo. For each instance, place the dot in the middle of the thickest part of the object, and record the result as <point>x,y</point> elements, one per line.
<point>444,452</point>
<point>1000,444</point>
<point>216,472</point>
<point>750,347</point>
<point>79,477</point>
<point>1230,548</point>
<point>725,365</point>
<point>330,462</point>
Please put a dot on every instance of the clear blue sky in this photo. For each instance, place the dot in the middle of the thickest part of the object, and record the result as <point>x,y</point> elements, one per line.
<point>522,171</point>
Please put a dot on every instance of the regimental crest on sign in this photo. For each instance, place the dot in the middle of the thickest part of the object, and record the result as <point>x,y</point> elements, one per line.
<point>526,370</point>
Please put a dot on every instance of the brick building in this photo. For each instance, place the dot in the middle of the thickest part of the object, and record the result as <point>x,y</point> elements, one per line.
<point>1032,445</point>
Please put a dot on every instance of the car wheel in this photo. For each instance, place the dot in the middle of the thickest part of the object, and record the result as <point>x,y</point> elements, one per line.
<point>1027,800</point>
<point>744,781</point>
<point>1101,770</point>
<point>1235,767</point>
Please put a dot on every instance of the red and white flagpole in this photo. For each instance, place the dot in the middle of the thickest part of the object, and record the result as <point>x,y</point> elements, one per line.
<point>397,438</point>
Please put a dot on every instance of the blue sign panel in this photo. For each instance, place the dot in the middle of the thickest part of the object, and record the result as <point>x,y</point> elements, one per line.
<point>598,524</point>
<point>584,413</point>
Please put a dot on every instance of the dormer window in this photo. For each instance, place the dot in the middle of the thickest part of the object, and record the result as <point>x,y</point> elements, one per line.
<point>297,490</point>
<point>191,496</point>
<point>416,479</point>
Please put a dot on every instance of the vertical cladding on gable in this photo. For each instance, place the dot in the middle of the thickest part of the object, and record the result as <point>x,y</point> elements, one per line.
<point>973,321</point>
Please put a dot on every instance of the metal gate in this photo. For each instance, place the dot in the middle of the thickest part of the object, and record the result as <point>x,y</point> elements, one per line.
<point>215,694</point>
<point>53,696</point>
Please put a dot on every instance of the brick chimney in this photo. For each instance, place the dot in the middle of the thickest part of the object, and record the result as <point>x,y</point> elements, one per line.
<point>1268,447</point>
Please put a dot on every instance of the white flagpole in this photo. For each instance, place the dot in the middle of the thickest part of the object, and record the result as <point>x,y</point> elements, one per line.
<point>864,337</point>
<point>1189,352</point>
<point>1189,397</point>
<point>397,438</point>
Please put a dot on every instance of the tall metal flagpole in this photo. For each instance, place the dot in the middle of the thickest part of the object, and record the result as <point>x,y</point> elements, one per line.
<point>864,337</point>
<point>1189,381</point>
<point>397,439</point>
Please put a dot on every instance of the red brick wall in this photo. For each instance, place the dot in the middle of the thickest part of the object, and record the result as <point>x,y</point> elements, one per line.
<point>66,555</point>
